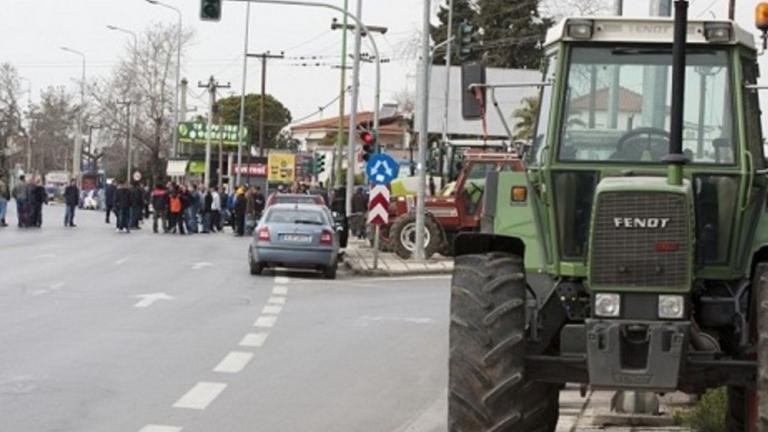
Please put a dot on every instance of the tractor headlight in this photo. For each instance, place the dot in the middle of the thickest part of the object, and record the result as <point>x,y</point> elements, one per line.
<point>607,305</point>
<point>717,32</point>
<point>580,29</point>
<point>671,306</point>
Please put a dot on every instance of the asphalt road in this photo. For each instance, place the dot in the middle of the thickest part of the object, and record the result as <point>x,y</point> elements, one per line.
<point>102,331</point>
<point>212,348</point>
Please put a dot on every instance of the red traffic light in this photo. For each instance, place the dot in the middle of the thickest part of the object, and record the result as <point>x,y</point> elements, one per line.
<point>367,137</point>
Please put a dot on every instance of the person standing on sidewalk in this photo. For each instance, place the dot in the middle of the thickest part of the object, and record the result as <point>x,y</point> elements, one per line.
<point>123,206</point>
<point>37,197</point>
<point>137,205</point>
<point>5,196</point>
<point>176,209</point>
<point>205,210</point>
<point>109,199</point>
<point>359,209</point>
<point>71,200</point>
<point>238,224</point>
<point>215,210</point>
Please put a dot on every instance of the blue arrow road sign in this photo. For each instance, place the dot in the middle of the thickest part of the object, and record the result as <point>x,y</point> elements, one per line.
<point>382,169</point>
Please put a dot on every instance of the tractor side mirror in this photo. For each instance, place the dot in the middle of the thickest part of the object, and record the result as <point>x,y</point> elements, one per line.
<point>472,97</point>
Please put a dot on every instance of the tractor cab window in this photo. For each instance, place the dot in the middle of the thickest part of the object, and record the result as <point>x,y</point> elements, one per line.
<point>618,106</point>
<point>474,185</point>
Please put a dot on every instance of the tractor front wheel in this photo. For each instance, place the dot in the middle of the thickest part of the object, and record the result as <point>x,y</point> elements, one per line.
<point>487,390</point>
<point>402,236</point>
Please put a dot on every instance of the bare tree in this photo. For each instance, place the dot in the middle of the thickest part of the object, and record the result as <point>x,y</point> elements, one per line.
<point>146,78</point>
<point>10,115</point>
<point>52,130</point>
<point>406,101</point>
<point>562,8</point>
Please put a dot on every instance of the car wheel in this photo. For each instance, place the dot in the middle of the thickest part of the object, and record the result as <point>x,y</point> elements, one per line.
<point>256,268</point>
<point>330,272</point>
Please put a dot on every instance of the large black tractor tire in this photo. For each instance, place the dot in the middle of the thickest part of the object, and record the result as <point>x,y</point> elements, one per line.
<point>741,400</point>
<point>487,389</point>
<point>403,232</point>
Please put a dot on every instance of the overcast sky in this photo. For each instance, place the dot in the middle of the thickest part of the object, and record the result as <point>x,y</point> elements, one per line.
<point>33,30</point>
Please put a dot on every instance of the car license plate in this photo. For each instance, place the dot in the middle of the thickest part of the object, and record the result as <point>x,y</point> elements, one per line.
<point>296,238</point>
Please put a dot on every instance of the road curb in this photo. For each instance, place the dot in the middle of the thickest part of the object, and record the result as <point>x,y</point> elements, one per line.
<point>357,271</point>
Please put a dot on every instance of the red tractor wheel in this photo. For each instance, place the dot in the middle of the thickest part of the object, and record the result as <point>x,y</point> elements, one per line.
<point>402,236</point>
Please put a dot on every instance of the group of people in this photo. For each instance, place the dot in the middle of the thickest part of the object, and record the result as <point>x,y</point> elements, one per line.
<point>30,196</point>
<point>182,209</point>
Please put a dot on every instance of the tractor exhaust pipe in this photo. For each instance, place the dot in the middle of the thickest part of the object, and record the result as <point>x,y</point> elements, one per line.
<point>676,159</point>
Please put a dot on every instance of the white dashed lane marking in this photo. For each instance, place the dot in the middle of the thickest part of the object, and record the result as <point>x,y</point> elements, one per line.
<point>276,300</point>
<point>200,396</point>
<point>234,362</point>
<point>254,340</point>
<point>160,428</point>
<point>272,310</point>
<point>282,290</point>
<point>265,321</point>
<point>121,261</point>
<point>282,280</point>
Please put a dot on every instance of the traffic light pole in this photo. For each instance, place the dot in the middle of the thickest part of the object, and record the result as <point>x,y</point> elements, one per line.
<point>374,47</point>
<point>423,135</point>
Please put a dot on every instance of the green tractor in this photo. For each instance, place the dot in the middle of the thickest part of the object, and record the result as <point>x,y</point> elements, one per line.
<point>632,252</point>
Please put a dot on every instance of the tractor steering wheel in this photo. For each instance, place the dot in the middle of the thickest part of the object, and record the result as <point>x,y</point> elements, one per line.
<point>630,148</point>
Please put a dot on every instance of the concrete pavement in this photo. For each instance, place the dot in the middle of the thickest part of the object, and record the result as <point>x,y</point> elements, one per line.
<point>159,333</point>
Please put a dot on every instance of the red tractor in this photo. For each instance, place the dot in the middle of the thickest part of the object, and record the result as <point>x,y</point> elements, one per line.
<point>457,210</point>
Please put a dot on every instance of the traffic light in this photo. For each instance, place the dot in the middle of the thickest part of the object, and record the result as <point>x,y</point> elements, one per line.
<point>466,39</point>
<point>210,10</point>
<point>368,137</point>
<point>319,163</point>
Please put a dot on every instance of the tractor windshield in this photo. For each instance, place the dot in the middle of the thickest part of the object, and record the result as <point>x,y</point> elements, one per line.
<point>618,106</point>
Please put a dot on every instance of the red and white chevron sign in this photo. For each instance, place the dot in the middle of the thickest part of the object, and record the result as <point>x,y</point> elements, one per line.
<point>378,206</point>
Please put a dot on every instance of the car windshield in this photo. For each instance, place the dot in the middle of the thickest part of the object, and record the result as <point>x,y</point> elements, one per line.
<point>617,106</point>
<point>300,217</point>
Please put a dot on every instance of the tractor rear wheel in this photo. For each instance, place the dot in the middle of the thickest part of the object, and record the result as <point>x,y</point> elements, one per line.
<point>760,285</point>
<point>402,236</point>
<point>487,387</point>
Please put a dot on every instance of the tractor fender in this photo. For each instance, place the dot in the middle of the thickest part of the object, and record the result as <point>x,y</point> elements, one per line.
<point>475,243</point>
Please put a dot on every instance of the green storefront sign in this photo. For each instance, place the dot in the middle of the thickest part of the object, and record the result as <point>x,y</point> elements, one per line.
<point>196,167</point>
<point>197,133</point>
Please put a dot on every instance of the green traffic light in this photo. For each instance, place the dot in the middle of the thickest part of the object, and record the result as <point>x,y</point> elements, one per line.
<point>211,10</point>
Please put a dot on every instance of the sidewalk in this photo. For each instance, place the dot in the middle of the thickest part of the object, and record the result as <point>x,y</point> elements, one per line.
<point>359,261</point>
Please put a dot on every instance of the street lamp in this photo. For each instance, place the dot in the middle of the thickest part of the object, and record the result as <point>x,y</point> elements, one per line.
<point>178,73</point>
<point>126,31</point>
<point>129,102</point>
<point>76,155</point>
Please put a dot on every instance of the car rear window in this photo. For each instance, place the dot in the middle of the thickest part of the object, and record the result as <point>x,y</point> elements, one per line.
<point>295,200</point>
<point>290,216</point>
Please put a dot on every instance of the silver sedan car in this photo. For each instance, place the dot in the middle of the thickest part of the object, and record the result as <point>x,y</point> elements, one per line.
<point>295,236</point>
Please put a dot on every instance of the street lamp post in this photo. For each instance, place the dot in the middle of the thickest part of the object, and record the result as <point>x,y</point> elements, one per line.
<point>129,101</point>
<point>177,117</point>
<point>76,154</point>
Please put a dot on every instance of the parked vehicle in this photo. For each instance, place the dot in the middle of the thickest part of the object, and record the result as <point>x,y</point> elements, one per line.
<point>295,236</point>
<point>285,198</point>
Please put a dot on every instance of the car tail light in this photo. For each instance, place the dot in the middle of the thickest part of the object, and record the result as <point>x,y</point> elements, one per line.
<point>264,234</point>
<point>326,237</point>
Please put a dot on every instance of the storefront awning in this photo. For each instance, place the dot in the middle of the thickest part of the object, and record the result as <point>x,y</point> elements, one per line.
<point>177,168</point>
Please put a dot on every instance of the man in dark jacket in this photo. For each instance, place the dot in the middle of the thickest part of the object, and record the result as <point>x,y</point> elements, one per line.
<point>206,210</point>
<point>71,200</point>
<point>109,199</point>
<point>137,205</point>
<point>123,206</point>
<point>160,208</point>
<point>21,195</point>
<point>239,212</point>
<point>37,197</point>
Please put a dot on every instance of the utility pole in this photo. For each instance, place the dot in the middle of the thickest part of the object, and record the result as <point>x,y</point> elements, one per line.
<point>183,103</point>
<point>264,57</point>
<point>129,144</point>
<point>423,133</point>
<point>241,124</point>
<point>221,151</point>
<point>337,160</point>
<point>447,95</point>
<point>352,137</point>
<point>212,86</point>
<point>731,9</point>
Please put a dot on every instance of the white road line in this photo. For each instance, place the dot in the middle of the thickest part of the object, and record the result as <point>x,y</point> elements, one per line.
<point>201,265</point>
<point>272,310</point>
<point>280,290</point>
<point>200,396</point>
<point>160,428</point>
<point>44,256</point>
<point>276,300</point>
<point>234,362</point>
<point>254,340</point>
<point>121,261</point>
<point>265,321</point>
<point>282,280</point>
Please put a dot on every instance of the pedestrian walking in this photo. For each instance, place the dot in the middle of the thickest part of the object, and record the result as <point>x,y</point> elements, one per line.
<point>71,200</point>
<point>109,199</point>
<point>206,209</point>
<point>260,202</point>
<point>5,196</point>
<point>432,186</point>
<point>160,208</point>
<point>123,207</point>
<point>359,209</point>
<point>37,197</point>
<point>21,195</point>
<point>137,205</point>
<point>250,210</point>
<point>239,212</point>
<point>192,211</point>
<point>215,210</point>
<point>176,210</point>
